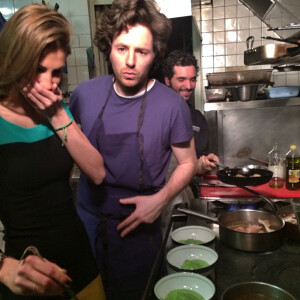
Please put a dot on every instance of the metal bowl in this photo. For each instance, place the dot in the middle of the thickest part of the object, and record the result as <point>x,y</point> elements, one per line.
<point>255,290</point>
<point>244,92</point>
<point>215,93</point>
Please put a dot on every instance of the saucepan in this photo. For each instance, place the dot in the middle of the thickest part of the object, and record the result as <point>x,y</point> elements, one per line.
<point>231,223</point>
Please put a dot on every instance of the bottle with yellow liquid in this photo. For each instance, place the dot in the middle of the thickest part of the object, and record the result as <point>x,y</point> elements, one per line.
<point>293,169</point>
<point>275,164</point>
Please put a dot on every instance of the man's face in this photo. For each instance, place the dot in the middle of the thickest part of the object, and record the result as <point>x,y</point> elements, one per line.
<point>183,81</point>
<point>131,57</point>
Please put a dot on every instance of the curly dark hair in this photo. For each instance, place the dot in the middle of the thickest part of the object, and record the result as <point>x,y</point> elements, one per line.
<point>178,58</point>
<point>124,13</point>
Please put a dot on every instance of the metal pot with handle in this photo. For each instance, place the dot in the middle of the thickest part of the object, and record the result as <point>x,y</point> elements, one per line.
<point>247,241</point>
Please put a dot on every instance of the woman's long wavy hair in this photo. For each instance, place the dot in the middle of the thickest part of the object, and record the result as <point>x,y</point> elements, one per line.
<point>124,13</point>
<point>26,37</point>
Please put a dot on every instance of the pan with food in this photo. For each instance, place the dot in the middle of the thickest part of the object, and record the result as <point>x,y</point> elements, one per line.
<point>245,176</point>
<point>247,229</point>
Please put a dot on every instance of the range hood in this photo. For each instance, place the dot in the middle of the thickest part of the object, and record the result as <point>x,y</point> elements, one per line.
<point>283,18</point>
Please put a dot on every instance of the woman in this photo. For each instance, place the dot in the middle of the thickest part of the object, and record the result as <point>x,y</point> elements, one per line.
<point>38,143</point>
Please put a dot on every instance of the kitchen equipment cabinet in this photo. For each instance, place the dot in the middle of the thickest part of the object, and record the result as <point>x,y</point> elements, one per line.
<point>248,128</point>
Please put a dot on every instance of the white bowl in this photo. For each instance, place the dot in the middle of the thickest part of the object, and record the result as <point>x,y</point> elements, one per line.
<point>178,255</point>
<point>184,280</point>
<point>197,233</point>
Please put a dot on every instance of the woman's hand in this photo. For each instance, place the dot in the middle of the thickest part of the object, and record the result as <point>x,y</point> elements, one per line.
<point>45,101</point>
<point>33,276</point>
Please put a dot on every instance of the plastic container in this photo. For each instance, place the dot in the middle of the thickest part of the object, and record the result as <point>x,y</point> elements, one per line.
<point>275,164</point>
<point>282,91</point>
<point>293,169</point>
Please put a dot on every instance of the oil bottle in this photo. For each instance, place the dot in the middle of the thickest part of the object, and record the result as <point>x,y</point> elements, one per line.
<point>275,164</point>
<point>293,169</point>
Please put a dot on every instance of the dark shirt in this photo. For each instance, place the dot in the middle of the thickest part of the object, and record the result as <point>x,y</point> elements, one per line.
<point>200,130</point>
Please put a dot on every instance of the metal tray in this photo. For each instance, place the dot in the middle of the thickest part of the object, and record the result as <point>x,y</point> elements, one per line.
<point>239,77</point>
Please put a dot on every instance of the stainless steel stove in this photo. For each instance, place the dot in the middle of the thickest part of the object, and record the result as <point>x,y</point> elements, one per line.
<point>280,267</point>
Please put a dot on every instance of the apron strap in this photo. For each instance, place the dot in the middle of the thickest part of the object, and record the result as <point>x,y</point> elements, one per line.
<point>141,140</point>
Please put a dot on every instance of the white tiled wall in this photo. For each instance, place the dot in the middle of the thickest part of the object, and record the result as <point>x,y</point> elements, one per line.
<point>224,27</point>
<point>76,11</point>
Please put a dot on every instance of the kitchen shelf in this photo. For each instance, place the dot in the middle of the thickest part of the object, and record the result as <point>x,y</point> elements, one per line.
<point>267,103</point>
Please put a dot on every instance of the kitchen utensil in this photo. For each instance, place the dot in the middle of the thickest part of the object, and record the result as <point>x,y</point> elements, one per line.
<point>219,164</point>
<point>266,54</point>
<point>250,43</point>
<point>290,26</point>
<point>264,163</point>
<point>181,235</point>
<point>244,176</point>
<point>34,251</point>
<point>255,290</point>
<point>232,78</point>
<point>247,241</point>
<point>287,68</point>
<point>282,91</point>
<point>290,41</point>
<point>215,93</point>
<point>185,280</point>
<point>178,256</point>
<point>244,92</point>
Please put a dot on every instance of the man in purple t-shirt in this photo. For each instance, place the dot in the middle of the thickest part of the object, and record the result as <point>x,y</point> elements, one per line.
<point>136,123</point>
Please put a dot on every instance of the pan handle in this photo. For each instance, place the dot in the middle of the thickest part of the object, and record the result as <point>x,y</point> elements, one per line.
<point>268,200</point>
<point>196,214</point>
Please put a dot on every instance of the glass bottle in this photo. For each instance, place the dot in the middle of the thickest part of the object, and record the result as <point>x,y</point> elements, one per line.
<point>293,169</point>
<point>275,164</point>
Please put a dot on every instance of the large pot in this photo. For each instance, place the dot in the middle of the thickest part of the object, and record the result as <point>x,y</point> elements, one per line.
<point>252,242</point>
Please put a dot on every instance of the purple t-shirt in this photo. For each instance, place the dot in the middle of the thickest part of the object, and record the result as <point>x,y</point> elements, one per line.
<point>167,119</point>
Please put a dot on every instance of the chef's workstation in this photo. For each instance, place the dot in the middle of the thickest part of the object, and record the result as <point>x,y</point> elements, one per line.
<point>245,232</point>
<point>251,243</point>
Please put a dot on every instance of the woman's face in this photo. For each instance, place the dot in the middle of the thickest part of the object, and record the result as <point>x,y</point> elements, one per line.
<point>50,68</point>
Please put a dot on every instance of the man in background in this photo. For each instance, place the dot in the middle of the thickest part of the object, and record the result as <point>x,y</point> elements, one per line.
<point>180,70</point>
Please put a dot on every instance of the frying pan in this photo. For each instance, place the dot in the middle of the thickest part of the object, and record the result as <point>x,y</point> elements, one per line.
<point>251,242</point>
<point>244,176</point>
<point>251,175</point>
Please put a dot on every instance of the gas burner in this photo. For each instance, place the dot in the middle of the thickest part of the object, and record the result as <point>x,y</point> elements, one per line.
<point>282,271</point>
<point>216,207</point>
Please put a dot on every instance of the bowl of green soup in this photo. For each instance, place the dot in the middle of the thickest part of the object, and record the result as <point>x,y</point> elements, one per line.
<point>185,286</point>
<point>191,258</point>
<point>196,235</point>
